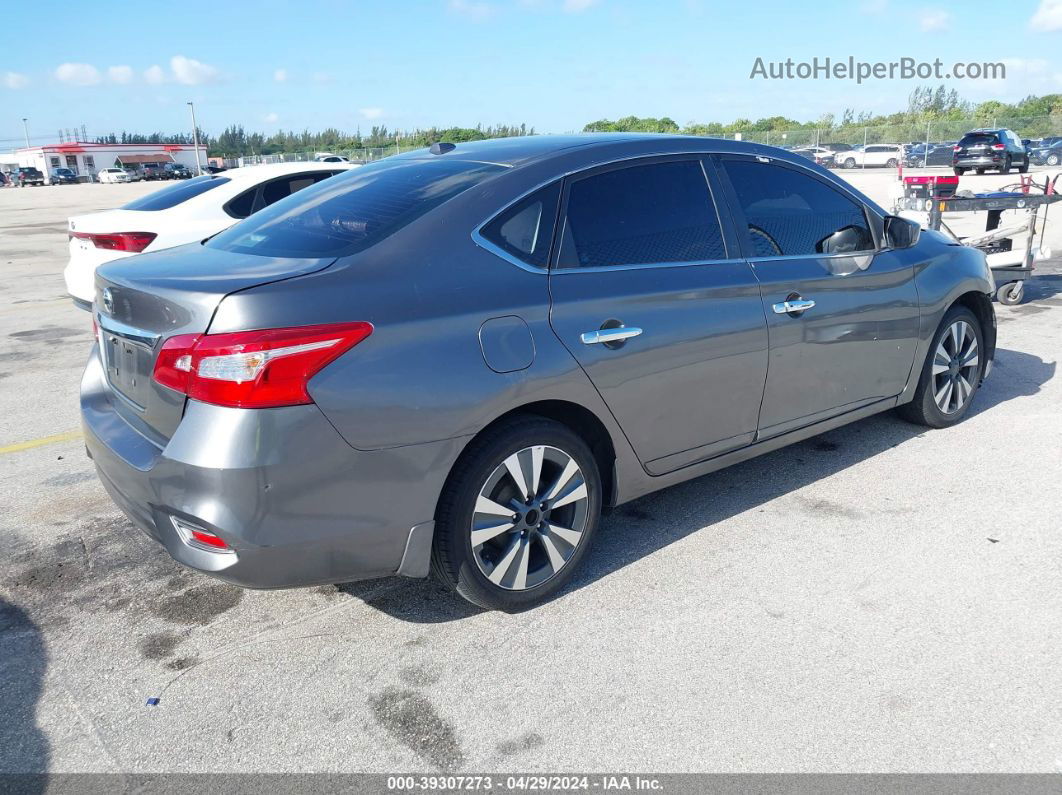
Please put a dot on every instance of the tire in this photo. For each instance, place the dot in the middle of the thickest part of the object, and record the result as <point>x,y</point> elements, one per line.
<point>529,560</point>
<point>980,172</point>
<point>1052,160</point>
<point>850,163</point>
<point>1005,168</point>
<point>891,163</point>
<point>959,171</point>
<point>924,409</point>
<point>1024,167</point>
<point>1011,293</point>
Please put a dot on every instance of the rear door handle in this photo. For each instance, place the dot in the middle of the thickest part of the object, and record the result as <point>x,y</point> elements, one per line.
<point>609,335</point>
<point>794,306</point>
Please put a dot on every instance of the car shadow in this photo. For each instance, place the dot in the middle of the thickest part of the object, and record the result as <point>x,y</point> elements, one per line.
<point>24,750</point>
<point>639,528</point>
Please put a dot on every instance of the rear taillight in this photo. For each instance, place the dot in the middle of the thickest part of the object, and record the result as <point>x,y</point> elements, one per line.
<point>134,242</point>
<point>999,147</point>
<point>254,369</point>
<point>956,148</point>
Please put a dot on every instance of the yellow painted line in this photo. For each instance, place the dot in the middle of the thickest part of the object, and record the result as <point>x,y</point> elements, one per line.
<point>18,447</point>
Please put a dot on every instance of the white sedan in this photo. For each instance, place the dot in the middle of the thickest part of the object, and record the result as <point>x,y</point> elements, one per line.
<point>113,175</point>
<point>184,212</point>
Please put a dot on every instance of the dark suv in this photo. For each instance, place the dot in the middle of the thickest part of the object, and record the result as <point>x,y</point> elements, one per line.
<point>177,171</point>
<point>985,149</point>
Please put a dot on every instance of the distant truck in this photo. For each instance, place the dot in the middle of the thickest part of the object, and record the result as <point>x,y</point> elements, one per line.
<point>28,175</point>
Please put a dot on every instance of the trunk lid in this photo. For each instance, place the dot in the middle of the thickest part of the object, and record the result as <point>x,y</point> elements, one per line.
<point>142,301</point>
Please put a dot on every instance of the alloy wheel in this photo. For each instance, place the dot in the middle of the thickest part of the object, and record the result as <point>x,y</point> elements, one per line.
<point>529,517</point>
<point>955,367</point>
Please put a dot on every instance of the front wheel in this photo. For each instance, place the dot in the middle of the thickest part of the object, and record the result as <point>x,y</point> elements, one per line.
<point>959,171</point>
<point>1052,160</point>
<point>951,373</point>
<point>850,163</point>
<point>1011,294</point>
<point>980,172</point>
<point>517,515</point>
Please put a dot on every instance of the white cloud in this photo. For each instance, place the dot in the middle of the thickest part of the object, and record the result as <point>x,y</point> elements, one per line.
<point>575,6</point>
<point>933,19</point>
<point>191,72</point>
<point>155,75</point>
<point>280,75</point>
<point>120,74</point>
<point>77,74</point>
<point>473,9</point>
<point>271,118</point>
<point>1048,16</point>
<point>15,80</point>
<point>371,113</point>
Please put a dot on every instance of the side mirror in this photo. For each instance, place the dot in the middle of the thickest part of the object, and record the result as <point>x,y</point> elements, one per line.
<point>900,232</point>
<point>846,240</point>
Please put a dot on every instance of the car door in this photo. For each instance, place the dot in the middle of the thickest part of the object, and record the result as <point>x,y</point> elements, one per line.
<point>842,313</point>
<point>660,312</point>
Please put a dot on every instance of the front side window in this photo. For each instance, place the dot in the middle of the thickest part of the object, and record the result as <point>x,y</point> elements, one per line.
<point>176,194</point>
<point>655,213</point>
<point>525,230</point>
<point>789,213</point>
<point>354,211</point>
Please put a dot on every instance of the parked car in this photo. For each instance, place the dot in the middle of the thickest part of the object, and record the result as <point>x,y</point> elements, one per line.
<point>107,175</point>
<point>452,359</point>
<point>817,154</point>
<point>28,175</point>
<point>325,157</point>
<point>981,150</point>
<point>62,176</point>
<point>872,155</point>
<point>177,171</point>
<point>185,212</point>
<point>213,169</point>
<point>938,155</point>
<point>837,147</point>
<point>1048,154</point>
<point>152,172</point>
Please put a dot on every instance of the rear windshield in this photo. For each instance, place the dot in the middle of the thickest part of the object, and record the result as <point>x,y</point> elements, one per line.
<point>352,211</point>
<point>974,139</point>
<point>175,194</point>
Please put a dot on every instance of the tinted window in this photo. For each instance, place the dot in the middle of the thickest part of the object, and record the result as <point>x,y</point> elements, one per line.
<point>353,211</point>
<point>977,139</point>
<point>661,212</point>
<point>791,213</point>
<point>175,194</point>
<point>525,230</point>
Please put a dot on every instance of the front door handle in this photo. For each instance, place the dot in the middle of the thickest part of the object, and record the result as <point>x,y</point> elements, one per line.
<point>609,335</point>
<point>793,306</point>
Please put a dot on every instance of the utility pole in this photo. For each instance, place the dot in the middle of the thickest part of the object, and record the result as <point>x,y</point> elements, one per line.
<point>195,140</point>
<point>25,129</point>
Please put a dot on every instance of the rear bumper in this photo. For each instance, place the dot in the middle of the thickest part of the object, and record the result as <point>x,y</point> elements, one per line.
<point>297,505</point>
<point>988,161</point>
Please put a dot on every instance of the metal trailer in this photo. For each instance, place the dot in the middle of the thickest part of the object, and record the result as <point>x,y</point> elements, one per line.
<point>1009,278</point>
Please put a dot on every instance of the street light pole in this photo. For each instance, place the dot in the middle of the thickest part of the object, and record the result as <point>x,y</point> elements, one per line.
<point>25,129</point>
<point>195,140</point>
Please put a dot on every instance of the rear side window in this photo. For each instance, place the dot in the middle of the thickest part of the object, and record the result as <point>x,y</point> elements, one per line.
<point>790,213</point>
<point>176,194</point>
<point>353,211</point>
<point>525,230</point>
<point>263,195</point>
<point>655,213</point>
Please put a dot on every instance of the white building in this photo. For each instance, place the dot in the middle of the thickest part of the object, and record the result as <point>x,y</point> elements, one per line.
<point>86,159</point>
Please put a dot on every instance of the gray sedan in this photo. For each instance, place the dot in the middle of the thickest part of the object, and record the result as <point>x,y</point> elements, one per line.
<point>451,360</point>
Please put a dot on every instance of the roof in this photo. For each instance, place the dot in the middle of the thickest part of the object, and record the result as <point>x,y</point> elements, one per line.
<point>267,170</point>
<point>160,157</point>
<point>526,149</point>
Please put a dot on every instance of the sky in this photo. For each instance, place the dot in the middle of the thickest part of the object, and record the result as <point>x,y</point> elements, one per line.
<point>552,64</point>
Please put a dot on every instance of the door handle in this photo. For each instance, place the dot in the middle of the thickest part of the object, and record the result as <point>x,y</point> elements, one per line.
<point>609,335</point>
<point>794,306</point>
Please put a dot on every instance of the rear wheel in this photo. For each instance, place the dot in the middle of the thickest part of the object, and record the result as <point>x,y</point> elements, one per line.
<point>951,373</point>
<point>518,514</point>
<point>980,171</point>
<point>1024,167</point>
<point>891,163</point>
<point>1005,167</point>
<point>959,171</point>
<point>1052,160</point>
<point>850,163</point>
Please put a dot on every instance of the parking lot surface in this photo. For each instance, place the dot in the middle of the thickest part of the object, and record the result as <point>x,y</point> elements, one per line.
<point>879,598</point>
